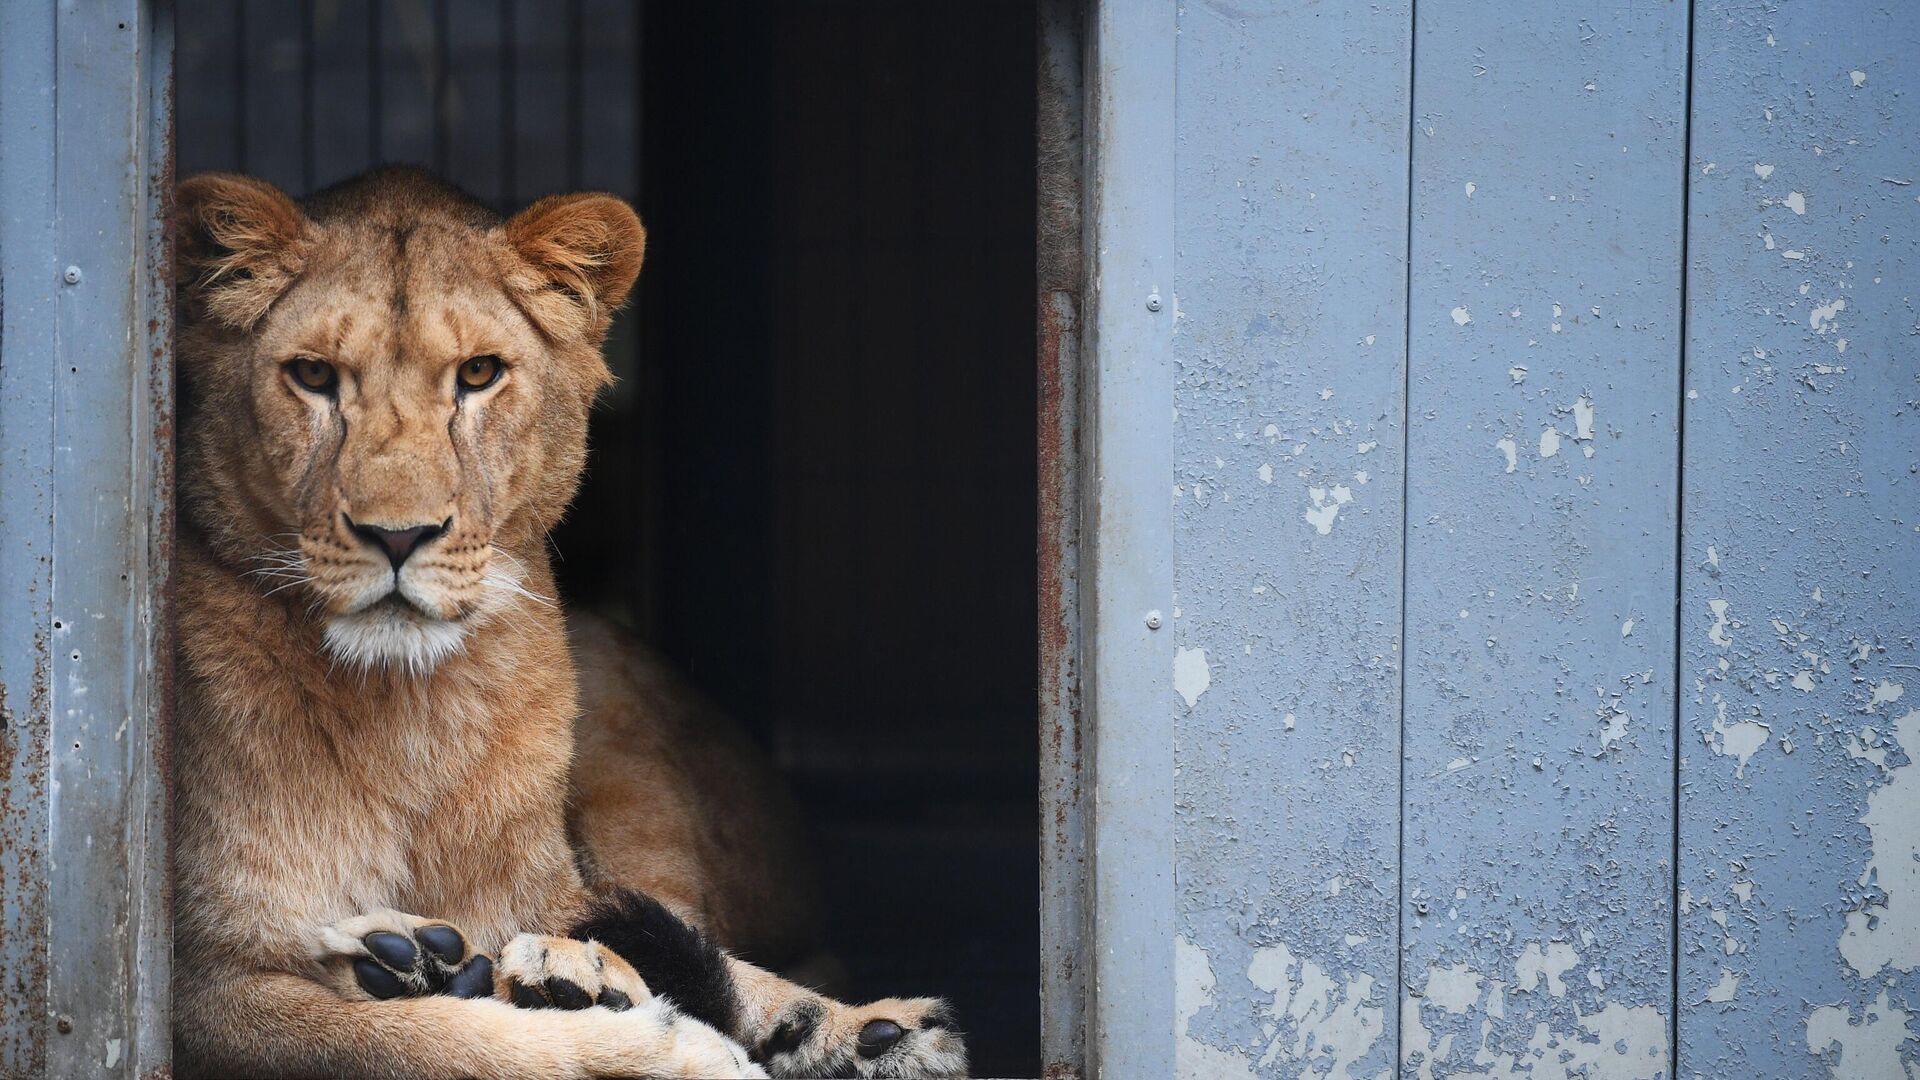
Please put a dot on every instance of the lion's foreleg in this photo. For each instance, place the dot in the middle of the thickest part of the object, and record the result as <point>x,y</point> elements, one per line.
<point>275,1024</point>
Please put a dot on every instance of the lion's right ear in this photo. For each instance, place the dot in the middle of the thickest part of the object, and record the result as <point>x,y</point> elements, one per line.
<point>238,243</point>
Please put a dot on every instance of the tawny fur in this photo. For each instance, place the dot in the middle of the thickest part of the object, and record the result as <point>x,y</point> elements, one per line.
<point>319,787</point>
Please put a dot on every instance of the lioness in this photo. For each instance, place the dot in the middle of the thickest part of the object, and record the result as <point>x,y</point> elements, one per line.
<point>379,871</point>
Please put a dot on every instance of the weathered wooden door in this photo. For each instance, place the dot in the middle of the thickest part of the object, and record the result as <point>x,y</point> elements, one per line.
<point>1501,533</point>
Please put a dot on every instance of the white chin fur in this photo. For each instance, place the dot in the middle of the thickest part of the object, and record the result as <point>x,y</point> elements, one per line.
<point>387,636</point>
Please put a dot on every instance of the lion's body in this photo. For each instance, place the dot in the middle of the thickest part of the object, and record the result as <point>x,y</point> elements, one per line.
<point>657,789</point>
<point>373,739</point>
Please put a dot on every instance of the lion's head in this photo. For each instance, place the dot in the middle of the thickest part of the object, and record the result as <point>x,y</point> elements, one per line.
<point>385,393</point>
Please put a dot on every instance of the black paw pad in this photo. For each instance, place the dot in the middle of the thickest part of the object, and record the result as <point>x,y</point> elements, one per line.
<point>392,950</point>
<point>444,942</point>
<point>614,1000</point>
<point>524,996</point>
<point>792,1032</point>
<point>567,994</point>
<point>474,980</point>
<point>878,1037</point>
<point>376,980</point>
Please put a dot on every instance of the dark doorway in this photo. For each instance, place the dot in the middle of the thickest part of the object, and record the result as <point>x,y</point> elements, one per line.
<point>814,484</point>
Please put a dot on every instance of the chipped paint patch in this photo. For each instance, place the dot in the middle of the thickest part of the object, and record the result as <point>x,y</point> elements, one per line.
<point>1333,1024</point>
<point>1886,692</point>
<point>1717,633</point>
<point>1454,988</point>
<point>1549,442</point>
<point>1724,990</point>
<point>1869,1048</point>
<point>1512,450</point>
<point>1461,316</point>
<point>1583,419</point>
<point>1737,739</point>
<point>1631,1042</point>
<point>1887,934</point>
<point>1193,984</point>
<point>1618,1042</point>
<point>1551,963</point>
<point>1326,506</point>
<point>1822,317</point>
<point>1191,676</point>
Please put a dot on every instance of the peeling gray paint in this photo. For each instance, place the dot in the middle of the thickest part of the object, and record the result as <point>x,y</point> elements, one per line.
<point>1800,806</point>
<point>1290,224</point>
<point>1644,808</point>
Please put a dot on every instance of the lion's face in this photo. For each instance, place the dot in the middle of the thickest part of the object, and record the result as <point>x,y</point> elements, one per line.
<point>387,395</point>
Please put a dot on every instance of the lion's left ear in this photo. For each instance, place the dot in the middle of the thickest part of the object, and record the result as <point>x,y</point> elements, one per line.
<point>239,243</point>
<point>586,247</point>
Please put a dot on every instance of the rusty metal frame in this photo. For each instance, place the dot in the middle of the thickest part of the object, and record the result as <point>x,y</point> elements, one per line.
<point>86,450</point>
<point>1060,283</point>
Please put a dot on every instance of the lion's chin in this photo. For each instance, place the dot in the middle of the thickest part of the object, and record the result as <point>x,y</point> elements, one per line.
<point>393,635</point>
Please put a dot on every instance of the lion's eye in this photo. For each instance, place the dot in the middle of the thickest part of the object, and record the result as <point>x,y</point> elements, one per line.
<point>316,375</point>
<point>480,372</point>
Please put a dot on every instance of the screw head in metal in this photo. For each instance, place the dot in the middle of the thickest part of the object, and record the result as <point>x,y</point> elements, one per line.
<point>1153,302</point>
<point>64,1025</point>
<point>72,276</point>
<point>1153,619</point>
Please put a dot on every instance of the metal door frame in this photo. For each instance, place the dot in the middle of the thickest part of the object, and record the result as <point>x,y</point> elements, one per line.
<point>86,501</point>
<point>86,521</point>
<point>1105,324</point>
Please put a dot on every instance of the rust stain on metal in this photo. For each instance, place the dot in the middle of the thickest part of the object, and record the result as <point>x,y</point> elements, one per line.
<point>1058,288</point>
<point>21,990</point>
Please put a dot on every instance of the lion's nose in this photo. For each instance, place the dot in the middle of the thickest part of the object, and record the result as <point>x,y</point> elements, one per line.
<point>397,543</point>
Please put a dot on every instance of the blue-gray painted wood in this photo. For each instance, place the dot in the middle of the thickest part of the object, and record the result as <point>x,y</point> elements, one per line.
<point>1127,570</point>
<point>1800,795</point>
<point>85,384</point>
<point>1542,472</point>
<point>1289,349</point>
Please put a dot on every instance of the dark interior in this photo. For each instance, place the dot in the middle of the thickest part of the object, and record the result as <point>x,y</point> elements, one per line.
<point>813,485</point>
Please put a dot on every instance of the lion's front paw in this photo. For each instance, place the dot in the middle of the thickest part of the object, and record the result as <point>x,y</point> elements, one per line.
<point>390,954</point>
<point>698,1050</point>
<point>537,972</point>
<point>894,1037</point>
